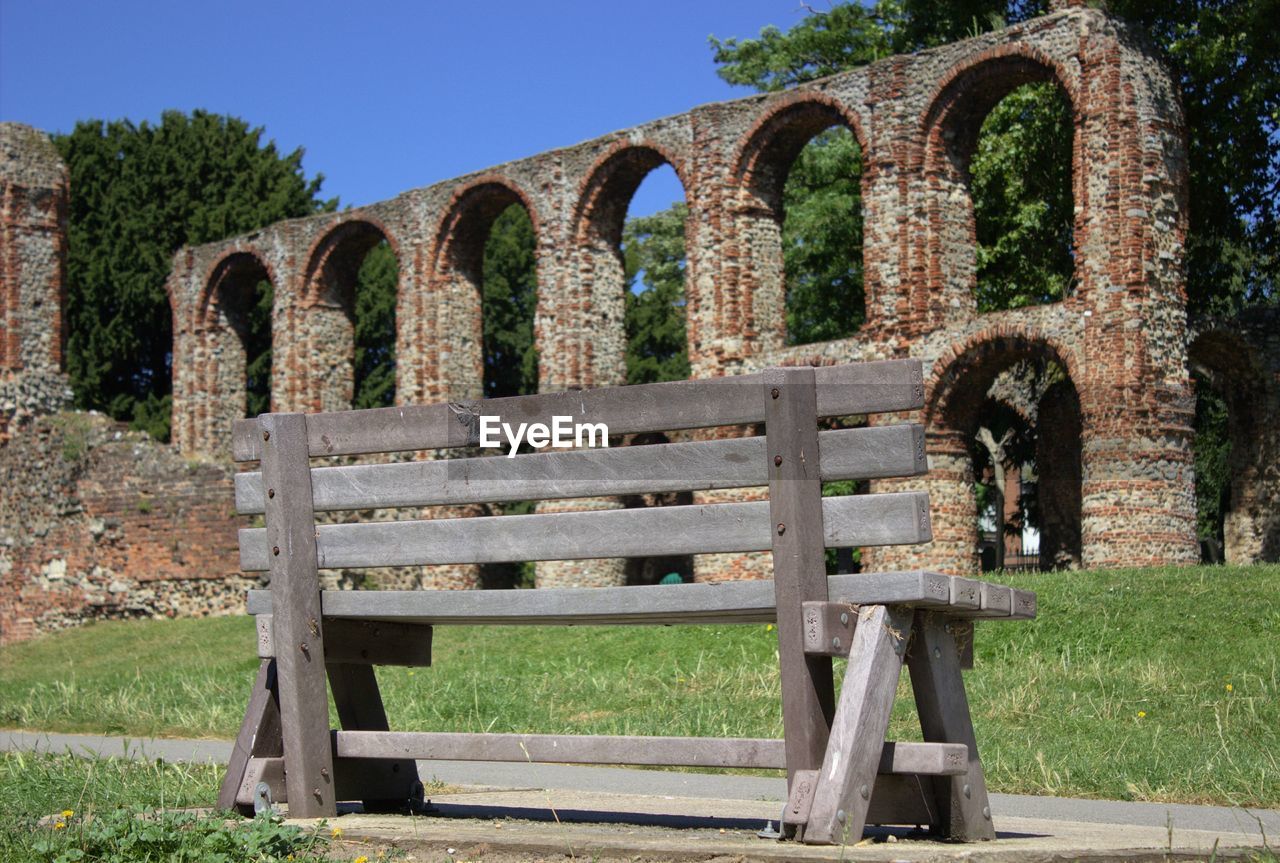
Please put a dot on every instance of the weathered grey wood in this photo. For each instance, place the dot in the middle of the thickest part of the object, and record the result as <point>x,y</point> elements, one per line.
<point>966,593</point>
<point>997,600</point>
<point>704,602</point>
<point>858,520</point>
<point>359,705</point>
<point>843,794</point>
<point>760,753</point>
<point>852,388</point>
<point>295,589</point>
<point>861,453</point>
<point>354,779</point>
<point>563,749</point>
<point>929,759</point>
<point>265,770</point>
<point>795,814</point>
<point>259,734</point>
<point>1001,603</point>
<point>1024,605</point>
<point>799,559</point>
<point>963,631</point>
<point>362,642</point>
<point>943,709</point>
<point>828,628</point>
<point>904,799</point>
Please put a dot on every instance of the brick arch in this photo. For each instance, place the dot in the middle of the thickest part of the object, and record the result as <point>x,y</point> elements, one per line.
<point>975,85</point>
<point>1224,352</point>
<point>764,154</point>
<point>964,372</point>
<point>945,140</point>
<point>213,389</point>
<point>455,349</point>
<point>236,264</point>
<point>321,325</point>
<point>753,299</point>
<point>1231,365</point>
<point>608,186</point>
<point>955,395</point>
<point>598,304</point>
<point>343,247</point>
<point>464,227</point>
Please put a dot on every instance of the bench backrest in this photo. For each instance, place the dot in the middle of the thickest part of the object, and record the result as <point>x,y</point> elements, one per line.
<point>793,459</point>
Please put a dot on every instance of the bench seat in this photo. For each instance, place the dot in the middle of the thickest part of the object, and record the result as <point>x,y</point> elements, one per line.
<point>704,602</point>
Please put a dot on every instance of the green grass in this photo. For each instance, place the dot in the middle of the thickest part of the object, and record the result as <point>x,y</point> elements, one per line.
<point>64,808</point>
<point>1143,684</point>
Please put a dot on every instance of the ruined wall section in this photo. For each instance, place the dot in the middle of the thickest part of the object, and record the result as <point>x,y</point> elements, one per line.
<point>100,522</point>
<point>1240,358</point>
<point>33,221</point>
<point>1120,333</point>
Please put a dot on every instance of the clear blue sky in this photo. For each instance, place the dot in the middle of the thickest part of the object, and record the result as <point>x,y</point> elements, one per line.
<point>384,96</point>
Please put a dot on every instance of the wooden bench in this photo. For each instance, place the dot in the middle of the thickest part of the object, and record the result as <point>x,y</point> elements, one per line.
<point>841,773</point>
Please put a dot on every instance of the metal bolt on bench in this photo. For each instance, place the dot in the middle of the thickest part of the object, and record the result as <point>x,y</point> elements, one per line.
<point>841,773</point>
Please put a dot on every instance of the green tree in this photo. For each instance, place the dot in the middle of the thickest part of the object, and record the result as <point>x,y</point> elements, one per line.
<point>1226,62</point>
<point>1020,178</point>
<point>375,328</point>
<point>822,239</point>
<point>510,301</point>
<point>1224,58</point>
<point>1020,181</point>
<point>138,193</point>
<point>257,351</point>
<point>654,262</point>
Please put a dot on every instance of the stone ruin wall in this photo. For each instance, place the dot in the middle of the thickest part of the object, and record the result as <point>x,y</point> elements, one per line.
<point>1121,334</point>
<point>1124,490</point>
<point>33,247</point>
<point>96,521</point>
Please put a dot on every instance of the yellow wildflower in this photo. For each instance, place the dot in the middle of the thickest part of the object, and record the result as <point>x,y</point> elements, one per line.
<point>67,813</point>
<point>361,859</point>
<point>337,833</point>
<point>1141,714</point>
<point>61,825</point>
<point>1229,687</point>
<point>769,627</point>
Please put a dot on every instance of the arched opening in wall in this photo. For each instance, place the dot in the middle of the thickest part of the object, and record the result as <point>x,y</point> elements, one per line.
<point>1012,413</point>
<point>804,171</point>
<point>631,234</point>
<point>486,277</point>
<point>509,303</point>
<point>1229,393</point>
<point>352,282</point>
<point>486,281</point>
<point>241,298</point>
<point>1006,138</point>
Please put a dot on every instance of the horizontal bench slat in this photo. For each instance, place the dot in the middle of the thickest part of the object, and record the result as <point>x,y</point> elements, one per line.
<point>863,453</point>
<point>855,388</point>
<point>704,602</point>
<point>860,520</point>
<point>901,795</point>
<point>359,642</point>
<point>935,759</point>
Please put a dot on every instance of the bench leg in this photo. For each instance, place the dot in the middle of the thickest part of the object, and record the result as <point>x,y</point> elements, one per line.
<point>296,617</point>
<point>842,796</point>
<point>259,735</point>
<point>359,702</point>
<point>934,664</point>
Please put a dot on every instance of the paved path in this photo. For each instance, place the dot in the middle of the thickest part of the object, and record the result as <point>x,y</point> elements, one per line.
<point>660,784</point>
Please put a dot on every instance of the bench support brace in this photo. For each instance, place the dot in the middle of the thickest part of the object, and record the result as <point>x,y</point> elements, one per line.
<point>934,663</point>
<point>259,737</point>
